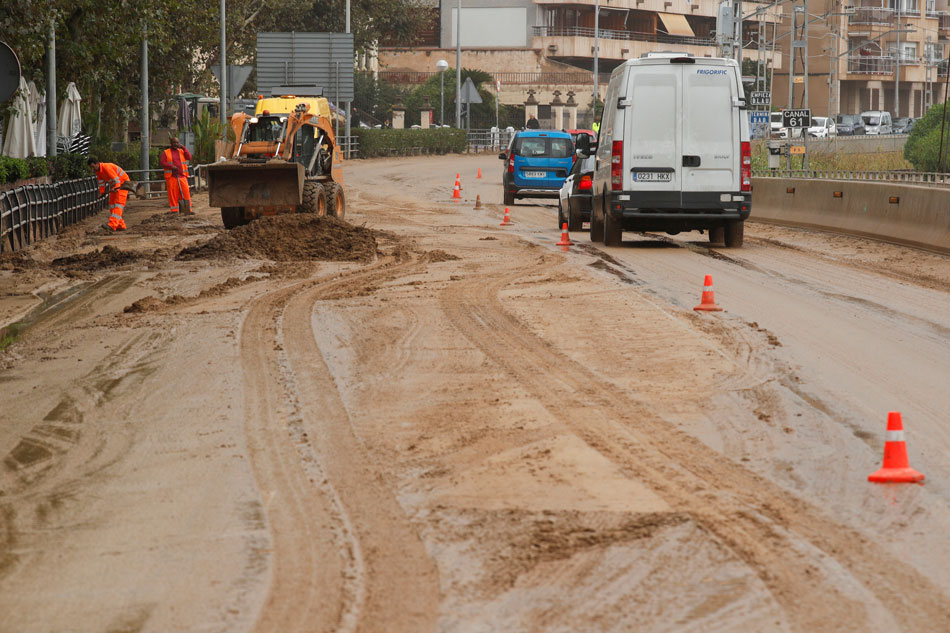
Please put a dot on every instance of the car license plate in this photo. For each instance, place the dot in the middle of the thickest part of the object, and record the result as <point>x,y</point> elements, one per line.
<point>535,174</point>
<point>585,226</point>
<point>652,176</point>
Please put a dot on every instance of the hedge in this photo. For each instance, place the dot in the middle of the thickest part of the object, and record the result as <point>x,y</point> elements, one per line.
<point>60,167</point>
<point>386,142</point>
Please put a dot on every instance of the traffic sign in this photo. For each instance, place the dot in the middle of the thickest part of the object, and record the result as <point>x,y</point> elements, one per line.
<point>758,117</point>
<point>469,94</point>
<point>796,149</point>
<point>761,98</point>
<point>800,118</point>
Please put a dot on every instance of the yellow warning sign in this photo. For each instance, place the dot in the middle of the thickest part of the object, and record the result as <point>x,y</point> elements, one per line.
<point>796,149</point>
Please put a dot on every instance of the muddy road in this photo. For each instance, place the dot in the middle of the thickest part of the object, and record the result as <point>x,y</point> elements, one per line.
<point>423,421</point>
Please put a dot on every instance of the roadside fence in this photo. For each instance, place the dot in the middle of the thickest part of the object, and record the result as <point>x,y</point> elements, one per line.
<point>492,140</point>
<point>933,179</point>
<point>34,212</point>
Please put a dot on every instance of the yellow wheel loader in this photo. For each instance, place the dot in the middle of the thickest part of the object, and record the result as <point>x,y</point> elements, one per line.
<point>282,163</point>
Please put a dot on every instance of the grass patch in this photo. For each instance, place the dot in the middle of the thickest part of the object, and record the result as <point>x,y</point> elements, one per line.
<point>10,334</point>
<point>877,161</point>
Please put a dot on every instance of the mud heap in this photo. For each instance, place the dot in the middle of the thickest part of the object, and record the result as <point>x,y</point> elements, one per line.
<point>293,237</point>
<point>108,257</point>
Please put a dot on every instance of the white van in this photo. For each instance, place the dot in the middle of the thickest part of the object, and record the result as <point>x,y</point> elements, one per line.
<point>673,152</point>
<point>877,122</point>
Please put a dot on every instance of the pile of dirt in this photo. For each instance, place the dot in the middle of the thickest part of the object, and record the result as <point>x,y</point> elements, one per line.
<point>178,223</point>
<point>439,255</point>
<point>289,238</point>
<point>17,261</point>
<point>108,257</point>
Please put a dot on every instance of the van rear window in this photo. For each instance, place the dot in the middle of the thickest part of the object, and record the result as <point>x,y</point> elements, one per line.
<point>539,147</point>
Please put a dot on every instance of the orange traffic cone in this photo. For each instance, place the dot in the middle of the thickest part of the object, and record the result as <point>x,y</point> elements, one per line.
<point>565,238</point>
<point>896,468</point>
<point>478,202</point>
<point>457,190</point>
<point>479,173</point>
<point>507,219</point>
<point>458,179</point>
<point>708,303</point>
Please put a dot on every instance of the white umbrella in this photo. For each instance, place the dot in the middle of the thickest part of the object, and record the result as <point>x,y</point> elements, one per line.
<point>69,123</point>
<point>19,141</point>
<point>38,103</point>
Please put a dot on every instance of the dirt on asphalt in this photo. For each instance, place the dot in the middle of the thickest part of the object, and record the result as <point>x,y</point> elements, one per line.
<point>418,420</point>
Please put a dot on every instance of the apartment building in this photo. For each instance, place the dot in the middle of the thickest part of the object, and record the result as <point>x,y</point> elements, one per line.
<point>544,46</point>
<point>868,55</point>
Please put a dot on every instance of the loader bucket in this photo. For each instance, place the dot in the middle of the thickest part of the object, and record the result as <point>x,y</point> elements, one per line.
<point>239,184</point>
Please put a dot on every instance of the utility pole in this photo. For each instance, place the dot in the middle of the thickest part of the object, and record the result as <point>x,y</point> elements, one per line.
<point>145,139</point>
<point>51,91</point>
<point>223,106</point>
<point>458,67</point>
<point>596,57</point>
<point>349,103</point>
<point>897,64</point>
<point>738,32</point>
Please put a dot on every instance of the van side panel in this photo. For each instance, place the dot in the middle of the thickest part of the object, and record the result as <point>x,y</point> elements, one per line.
<point>710,129</point>
<point>653,135</point>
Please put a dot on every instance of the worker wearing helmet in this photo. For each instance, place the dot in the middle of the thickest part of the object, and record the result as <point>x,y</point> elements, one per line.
<point>174,161</point>
<point>111,177</point>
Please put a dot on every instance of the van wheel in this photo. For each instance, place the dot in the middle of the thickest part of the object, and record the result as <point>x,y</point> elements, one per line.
<point>733,233</point>
<point>613,231</point>
<point>717,234</point>
<point>596,226</point>
<point>574,222</point>
<point>509,198</point>
<point>560,215</point>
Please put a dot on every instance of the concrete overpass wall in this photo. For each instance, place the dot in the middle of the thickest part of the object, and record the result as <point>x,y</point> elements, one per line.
<point>920,218</point>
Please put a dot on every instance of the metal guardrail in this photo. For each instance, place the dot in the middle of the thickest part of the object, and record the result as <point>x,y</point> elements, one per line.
<point>34,212</point>
<point>934,179</point>
<point>488,140</point>
<point>611,34</point>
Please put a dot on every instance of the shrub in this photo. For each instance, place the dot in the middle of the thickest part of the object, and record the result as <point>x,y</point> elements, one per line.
<point>13,169</point>
<point>68,167</point>
<point>923,143</point>
<point>384,142</point>
<point>39,166</point>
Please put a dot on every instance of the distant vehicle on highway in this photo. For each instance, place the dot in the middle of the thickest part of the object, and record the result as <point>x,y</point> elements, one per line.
<point>573,205</point>
<point>822,127</point>
<point>536,164</point>
<point>903,125</point>
<point>850,125</point>
<point>877,121</point>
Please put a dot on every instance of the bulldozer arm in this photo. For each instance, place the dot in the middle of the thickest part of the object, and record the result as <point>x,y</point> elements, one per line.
<point>275,183</point>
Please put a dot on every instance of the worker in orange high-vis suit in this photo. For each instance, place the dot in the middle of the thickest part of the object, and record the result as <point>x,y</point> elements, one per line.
<point>174,161</point>
<point>111,177</point>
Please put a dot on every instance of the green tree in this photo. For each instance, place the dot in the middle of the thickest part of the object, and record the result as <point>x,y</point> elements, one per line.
<point>923,144</point>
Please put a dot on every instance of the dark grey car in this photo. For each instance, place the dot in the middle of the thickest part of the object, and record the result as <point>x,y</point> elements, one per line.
<point>850,124</point>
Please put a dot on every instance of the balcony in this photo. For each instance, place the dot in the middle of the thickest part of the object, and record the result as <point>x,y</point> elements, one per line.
<point>872,16</point>
<point>607,34</point>
<point>870,65</point>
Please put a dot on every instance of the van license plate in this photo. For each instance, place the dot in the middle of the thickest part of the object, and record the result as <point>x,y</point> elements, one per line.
<point>535,174</point>
<point>652,176</point>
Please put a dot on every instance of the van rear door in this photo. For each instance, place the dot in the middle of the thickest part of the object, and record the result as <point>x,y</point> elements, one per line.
<point>653,134</point>
<point>711,130</point>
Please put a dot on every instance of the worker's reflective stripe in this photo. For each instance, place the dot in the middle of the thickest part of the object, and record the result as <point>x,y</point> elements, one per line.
<point>117,216</point>
<point>174,208</point>
<point>894,436</point>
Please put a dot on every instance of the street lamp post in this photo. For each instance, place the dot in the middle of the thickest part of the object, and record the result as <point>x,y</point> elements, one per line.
<point>596,55</point>
<point>442,65</point>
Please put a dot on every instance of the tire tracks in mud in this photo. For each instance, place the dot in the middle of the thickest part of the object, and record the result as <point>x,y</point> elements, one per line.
<point>345,556</point>
<point>825,576</point>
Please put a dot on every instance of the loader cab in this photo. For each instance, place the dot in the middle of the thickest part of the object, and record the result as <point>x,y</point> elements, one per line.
<point>267,128</point>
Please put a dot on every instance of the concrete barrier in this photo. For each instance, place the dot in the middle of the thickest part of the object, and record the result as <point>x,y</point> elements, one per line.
<point>920,216</point>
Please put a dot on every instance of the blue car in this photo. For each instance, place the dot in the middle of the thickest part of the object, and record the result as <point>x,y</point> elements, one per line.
<point>536,164</point>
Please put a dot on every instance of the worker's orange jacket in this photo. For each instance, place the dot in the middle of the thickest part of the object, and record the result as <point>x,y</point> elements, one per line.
<point>173,160</point>
<point>110,173</point>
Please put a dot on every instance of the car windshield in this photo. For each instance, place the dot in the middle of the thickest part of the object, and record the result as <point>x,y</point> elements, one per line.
<point>776,117</point>
<point>819,121</point>
<point>871,120</point>
<point>848,119</point>
<point>541,147</point>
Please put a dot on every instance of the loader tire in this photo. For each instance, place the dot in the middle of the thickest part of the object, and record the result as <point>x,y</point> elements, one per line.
<point>232,217</point>
<point>336,201</point>
<point>314,198</point>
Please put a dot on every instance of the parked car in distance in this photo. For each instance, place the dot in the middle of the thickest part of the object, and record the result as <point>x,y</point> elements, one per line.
<point>903,125</point>
<point>850,125</point>
<point>573,206</point>
<point>877,121</point>
<point>536,164</point>
<point>822,127</point>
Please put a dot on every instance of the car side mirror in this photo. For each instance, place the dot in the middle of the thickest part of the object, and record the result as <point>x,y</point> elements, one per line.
<point>582,145</point>
<point>503,156</point>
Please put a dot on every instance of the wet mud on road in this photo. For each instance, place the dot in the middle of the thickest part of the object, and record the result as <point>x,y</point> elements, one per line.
<point>419,420</point>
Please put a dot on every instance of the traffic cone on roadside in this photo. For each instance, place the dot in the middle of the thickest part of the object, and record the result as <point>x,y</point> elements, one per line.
<point>565,238</point>
<point>458,179</point>
<point>479,173</point>
<point>708,302</point>
<point>457,190</point>
<point>478,202</point>
<point>896,468</point>
<point>507,219</point>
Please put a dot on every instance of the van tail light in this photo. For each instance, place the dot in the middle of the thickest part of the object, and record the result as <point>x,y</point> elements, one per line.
<point>511,163</point>
<point>586,183</point>
<point>745,170</point>
<point>616,166</point>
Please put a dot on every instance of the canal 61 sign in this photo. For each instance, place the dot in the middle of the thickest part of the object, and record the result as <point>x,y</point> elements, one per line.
<point>796,118</point>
